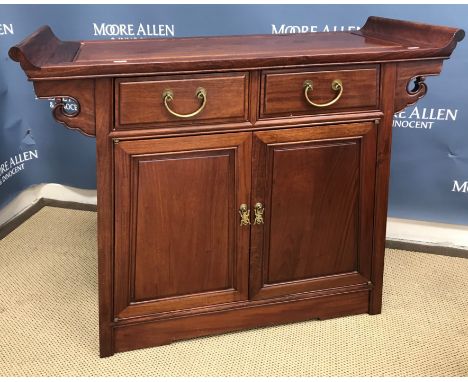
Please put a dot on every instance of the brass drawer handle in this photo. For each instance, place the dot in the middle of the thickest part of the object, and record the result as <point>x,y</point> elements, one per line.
<point>244,213</point>
<point>336,85</point>
<point>259,209</point>
<point>168,96</point>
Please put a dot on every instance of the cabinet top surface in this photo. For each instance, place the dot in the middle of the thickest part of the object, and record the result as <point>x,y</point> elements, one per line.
<point>42,55</point>
<point>228,47</point>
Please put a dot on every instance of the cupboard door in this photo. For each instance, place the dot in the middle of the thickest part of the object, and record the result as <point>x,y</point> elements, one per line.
<point>178,241</point>
<point>316,186</point>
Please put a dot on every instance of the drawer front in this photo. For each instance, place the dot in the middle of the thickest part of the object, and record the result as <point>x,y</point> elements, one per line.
<point>189,99</point>
<point>284,93</point>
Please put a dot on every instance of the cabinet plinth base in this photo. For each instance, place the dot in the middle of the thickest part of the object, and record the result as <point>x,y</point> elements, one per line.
<point>162,332</point>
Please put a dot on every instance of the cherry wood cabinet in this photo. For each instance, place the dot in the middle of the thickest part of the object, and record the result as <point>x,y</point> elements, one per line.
<point>242,180</point>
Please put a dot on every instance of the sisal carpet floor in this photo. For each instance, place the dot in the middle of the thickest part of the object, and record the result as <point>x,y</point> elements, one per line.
<point>48,319</point>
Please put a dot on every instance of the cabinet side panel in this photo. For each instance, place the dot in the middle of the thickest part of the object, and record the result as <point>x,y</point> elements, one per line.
<point>384,142</point>
<point>104,111</point>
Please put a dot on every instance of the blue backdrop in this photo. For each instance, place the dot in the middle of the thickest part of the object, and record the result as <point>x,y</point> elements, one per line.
<point>429,173</point>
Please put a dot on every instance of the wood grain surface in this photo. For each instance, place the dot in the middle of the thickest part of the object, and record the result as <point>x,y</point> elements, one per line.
<point>140,99</point>
<point>283,91</point>
<point>379,40</point>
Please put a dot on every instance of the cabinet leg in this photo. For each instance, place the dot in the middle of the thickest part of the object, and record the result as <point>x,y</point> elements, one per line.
<point>375,301</point>
<point>384,143</point>
<point>106,348</point>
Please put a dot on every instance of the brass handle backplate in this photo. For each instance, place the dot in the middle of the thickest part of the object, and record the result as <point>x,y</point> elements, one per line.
<point>259,210</point>
<point>244,213</point>
<point>168,96</point>
<point>336,86</point>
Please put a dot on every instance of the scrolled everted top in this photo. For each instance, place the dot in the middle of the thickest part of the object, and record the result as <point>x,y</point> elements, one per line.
<point>42,55</point>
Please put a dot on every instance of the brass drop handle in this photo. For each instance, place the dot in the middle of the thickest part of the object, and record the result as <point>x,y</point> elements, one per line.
<point>336,86</point>
<point>168,96</point>
<point>259,210</point>
<point>244,213</point>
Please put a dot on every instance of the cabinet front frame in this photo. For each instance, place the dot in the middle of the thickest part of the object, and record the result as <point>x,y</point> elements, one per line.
<point>112,327</point>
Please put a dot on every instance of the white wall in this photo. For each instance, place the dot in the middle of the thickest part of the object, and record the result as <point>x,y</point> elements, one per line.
<point>30,196</point>
<point>414,231</point>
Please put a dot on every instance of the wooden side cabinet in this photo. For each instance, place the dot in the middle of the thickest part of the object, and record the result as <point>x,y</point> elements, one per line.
<point>237,190</point>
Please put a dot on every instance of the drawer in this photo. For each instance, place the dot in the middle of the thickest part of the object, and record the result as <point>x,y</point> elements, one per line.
<point>284,93</point>
<point>182,99</point>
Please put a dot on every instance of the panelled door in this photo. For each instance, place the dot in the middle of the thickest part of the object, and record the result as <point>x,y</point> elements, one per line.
<point>178,241</point>
<point>314,192</point>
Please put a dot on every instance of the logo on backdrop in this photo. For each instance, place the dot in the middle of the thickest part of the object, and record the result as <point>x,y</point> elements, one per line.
<point>133,31</point>
<point>423,117</point>
<point>18,162</point>
<point>6,29</point>
<point>69,106</point>
<point>460,186</point>
<point>285,29</point>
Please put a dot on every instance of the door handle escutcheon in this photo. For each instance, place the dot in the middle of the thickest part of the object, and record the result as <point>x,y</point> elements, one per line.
<point>259,210</point>
<point>244,213</point>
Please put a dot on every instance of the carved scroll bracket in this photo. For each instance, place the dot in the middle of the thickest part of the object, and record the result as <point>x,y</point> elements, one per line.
<point>411,86</point>
<point>81,92</point>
